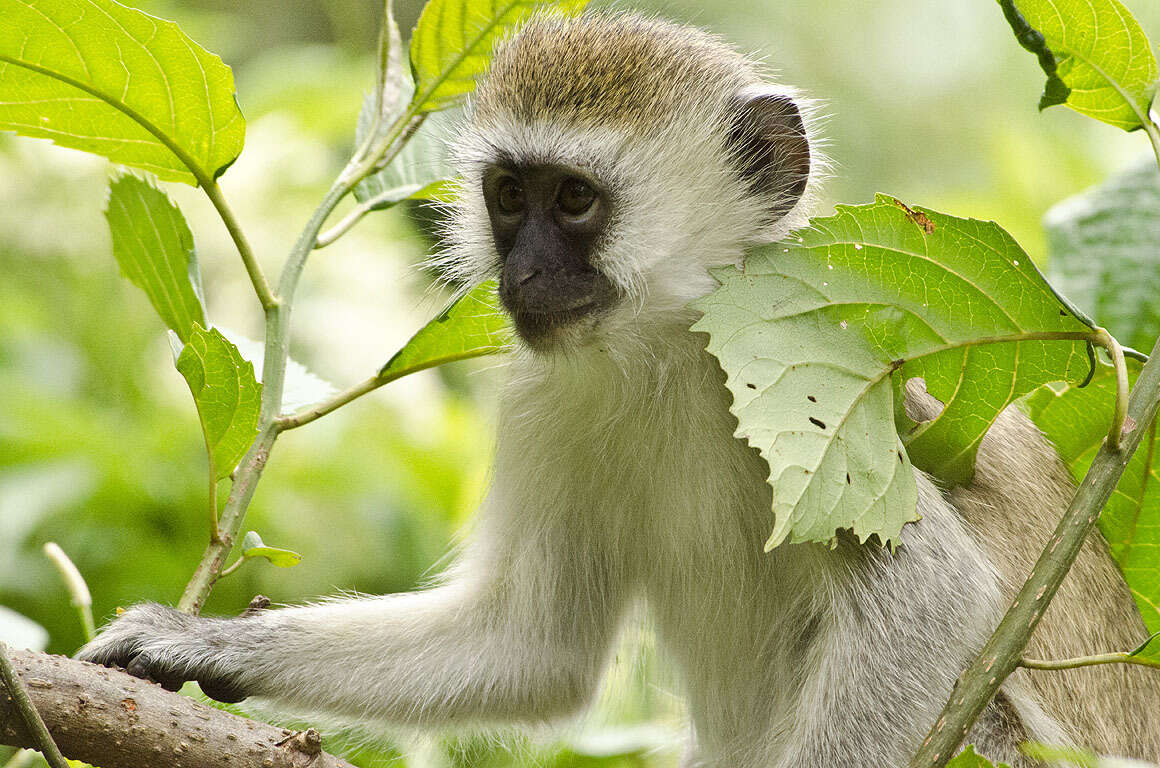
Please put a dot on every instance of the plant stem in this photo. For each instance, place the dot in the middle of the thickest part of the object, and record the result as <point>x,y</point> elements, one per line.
<point>32,720</point>
<point>245,481</point>
<point>261,287</point>
<point>375,152</point>
<point>1089,661</point>
<point>277,351</point>
<point>1002,653</point>
<point>78,590</point>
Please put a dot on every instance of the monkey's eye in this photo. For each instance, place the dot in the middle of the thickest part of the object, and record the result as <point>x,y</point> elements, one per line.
<point>510,196</point>
<point>575,196</point>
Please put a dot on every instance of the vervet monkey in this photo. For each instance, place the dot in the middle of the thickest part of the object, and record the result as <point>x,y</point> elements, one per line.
<point>608,163</point>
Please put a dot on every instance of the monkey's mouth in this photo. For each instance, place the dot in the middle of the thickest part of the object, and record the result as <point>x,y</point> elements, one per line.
<point>541,329</point>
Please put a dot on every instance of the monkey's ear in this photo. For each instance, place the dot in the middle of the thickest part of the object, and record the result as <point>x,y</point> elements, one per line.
<point>768,139</point>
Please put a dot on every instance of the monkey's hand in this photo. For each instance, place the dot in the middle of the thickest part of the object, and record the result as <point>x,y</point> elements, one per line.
<point>157,643</point>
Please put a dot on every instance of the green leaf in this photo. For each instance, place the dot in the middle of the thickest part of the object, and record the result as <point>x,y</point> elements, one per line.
<point>1100,53</point>
<point>1076,421</point>
<point>471,327</point>
<point>969,758</point>
<point>453,42</point>
<point>98,76</point>
<point>253,546</point>
<point>301,386</point>
<point>809,333</point>
<point>227,395</point>
<point>421,170</point>
<point>1083,758</point>
<point>1105,253</point>
<point>154,247</point>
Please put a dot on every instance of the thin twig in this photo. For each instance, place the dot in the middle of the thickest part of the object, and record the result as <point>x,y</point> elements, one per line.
<point>229,524</point>
<point>32,720</point>
<point>345,224</point>
<point>318,410</point>
<point>1089,661</point>
<point>232,567</point>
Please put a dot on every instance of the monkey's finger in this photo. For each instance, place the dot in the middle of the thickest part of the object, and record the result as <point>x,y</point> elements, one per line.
<point>146,668</point>
<point>222,690</point>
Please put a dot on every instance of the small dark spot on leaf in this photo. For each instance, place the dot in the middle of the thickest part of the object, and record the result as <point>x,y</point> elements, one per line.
<point>918,217</point>
<point>817,423</point>
<point>847,478</point>
<point>1062,313</point>
<point>751,386</point>
<point>811,398</point>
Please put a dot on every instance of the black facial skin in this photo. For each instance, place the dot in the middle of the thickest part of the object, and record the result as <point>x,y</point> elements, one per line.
<point>547,221</point>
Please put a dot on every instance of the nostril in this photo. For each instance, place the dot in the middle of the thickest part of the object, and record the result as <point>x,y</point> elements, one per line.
<point>525,277</point>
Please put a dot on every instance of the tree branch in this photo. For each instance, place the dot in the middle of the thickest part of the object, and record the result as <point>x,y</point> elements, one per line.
<point>106,717</point>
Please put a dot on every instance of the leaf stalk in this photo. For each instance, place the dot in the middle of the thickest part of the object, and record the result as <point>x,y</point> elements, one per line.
<point>253,269</point>
<point>1089,661</point>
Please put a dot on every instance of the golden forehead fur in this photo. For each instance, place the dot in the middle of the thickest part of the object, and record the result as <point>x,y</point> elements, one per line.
<point>608,68</point>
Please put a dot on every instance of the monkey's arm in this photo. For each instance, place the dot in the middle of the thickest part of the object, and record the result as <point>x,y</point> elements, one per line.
<point>521,639</point>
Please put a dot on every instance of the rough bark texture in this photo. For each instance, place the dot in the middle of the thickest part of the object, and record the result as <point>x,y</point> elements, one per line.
<point>108,718</point>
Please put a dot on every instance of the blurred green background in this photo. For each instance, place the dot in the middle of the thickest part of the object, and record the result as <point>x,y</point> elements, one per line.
<point>99,447</point>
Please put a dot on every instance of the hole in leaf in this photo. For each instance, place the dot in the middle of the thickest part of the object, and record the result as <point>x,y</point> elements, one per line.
<point>751,386</point>
<point>811,398</point>
<point>817,423</point>
<point>847,478</point>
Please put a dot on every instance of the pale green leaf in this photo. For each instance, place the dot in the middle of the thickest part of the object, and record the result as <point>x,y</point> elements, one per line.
<point>471,327</point>
<point>810,331</point>
<point>1101,54</point>
<point>154,247</point>
<point>98,76</point>
<point>969,758</point>
<point>421,170</point>
<point>1105,253</point>
<point>301,386</point>
<point>1082,758</point>
<point>453,42</point>
<point>1077,421</point>
<point>227,395</point>
<point>19,631</point>
<point>253,546</point>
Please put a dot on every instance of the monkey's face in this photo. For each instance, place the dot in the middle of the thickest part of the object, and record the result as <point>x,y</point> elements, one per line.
<point>547,223</point>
